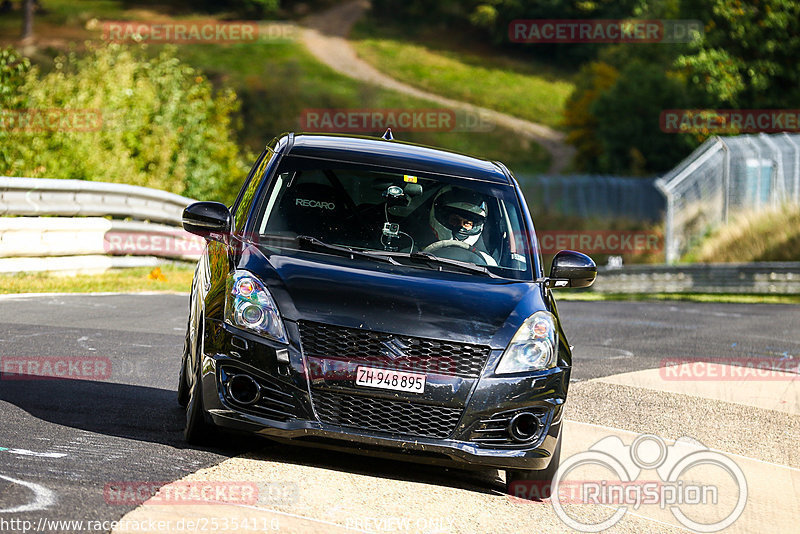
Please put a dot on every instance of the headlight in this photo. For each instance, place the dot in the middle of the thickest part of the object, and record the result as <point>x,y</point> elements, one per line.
<point>534,346</point>
<point>249,305</point>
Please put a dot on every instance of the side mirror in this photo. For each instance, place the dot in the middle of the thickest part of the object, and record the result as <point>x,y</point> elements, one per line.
<point>210,220</point>
<point>572,269</point>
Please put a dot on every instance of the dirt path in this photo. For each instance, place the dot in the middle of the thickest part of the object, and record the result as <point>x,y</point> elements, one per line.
<point>325,38</point>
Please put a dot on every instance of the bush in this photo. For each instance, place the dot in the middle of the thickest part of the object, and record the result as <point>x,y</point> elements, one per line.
<point>772,235</point>
<point>161,126</point>
<point>13,69</point>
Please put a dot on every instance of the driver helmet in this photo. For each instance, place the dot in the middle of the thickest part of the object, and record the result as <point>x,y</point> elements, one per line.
<point>458,214</point>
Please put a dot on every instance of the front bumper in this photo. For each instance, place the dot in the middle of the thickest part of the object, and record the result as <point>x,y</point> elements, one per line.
<point>294,415</point>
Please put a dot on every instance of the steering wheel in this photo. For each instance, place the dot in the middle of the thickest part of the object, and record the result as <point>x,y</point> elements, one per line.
<point>454,243</point>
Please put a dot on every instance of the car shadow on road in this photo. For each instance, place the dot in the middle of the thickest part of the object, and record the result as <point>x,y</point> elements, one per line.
<point>122,410</point>
<point>152,415</point>
<point>486,481</point>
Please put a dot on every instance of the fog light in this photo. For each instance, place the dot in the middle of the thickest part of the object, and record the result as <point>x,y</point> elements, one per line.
<point>523,426</point>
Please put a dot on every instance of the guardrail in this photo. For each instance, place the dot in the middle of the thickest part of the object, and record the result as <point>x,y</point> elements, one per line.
<point>748,278</point>
<point>71,198</point>
<point>89,226</point>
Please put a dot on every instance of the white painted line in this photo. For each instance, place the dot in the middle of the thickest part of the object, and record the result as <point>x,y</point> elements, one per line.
<point>43,497</point>
<point>26,452</point>
<point>776,390</point>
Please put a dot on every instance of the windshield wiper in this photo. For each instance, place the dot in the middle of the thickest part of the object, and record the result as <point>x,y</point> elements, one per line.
<point>313,242</point>
<point>470,267</point>
<point>389,257</point>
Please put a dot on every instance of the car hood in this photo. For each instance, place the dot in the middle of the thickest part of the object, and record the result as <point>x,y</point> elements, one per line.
<point>400,300</point>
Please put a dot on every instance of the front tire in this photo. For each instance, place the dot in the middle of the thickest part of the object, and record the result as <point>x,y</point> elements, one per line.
<point>197,431</point>
<point>183,387</point>
<point>537,485</point>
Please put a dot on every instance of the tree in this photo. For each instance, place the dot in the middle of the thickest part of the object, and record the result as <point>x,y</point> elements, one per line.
<point>749,57</point>
<point>579,120</point>
<point>27,19</point>
<point>628,115</point>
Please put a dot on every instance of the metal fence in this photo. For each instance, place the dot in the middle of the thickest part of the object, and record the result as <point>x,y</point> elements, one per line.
<point>726,175</point>
<point>89,226</point>
<point>588,196</point>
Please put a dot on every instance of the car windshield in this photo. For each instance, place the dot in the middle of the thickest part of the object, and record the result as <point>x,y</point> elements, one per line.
<point>320,205</point>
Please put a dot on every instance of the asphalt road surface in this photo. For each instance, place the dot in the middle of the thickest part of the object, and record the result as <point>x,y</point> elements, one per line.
<point>62,442</point>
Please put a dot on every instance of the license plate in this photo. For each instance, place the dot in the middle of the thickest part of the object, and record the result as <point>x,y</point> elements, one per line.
<point>387,379</point>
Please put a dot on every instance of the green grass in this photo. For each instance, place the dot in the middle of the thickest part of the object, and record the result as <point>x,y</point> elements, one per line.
<point>692,297</point>
<point>277,81</point>
<point>421,58</point>
<point>74,14</point>
<point>176,278</point>
<point>67,18</point>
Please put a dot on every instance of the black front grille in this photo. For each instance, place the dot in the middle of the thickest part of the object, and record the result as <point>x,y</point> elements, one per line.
<point>410,353</point>
<point>370,413</point>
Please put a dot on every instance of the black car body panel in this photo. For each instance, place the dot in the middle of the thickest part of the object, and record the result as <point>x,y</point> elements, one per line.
<point>397,299</point>
<point>341,312</point>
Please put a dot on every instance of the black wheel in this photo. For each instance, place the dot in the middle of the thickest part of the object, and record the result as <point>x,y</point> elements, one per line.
<point>534,485</point>
<point>183,386</point>
<point>197,431</point>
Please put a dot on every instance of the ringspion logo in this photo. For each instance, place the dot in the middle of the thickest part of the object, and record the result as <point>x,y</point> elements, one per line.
<point>690,477</point>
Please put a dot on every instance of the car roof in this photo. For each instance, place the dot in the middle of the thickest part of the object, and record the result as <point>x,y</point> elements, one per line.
<point>394,154</point>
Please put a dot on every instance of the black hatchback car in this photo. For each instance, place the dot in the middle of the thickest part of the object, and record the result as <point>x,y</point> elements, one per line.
<point>384,298</point>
